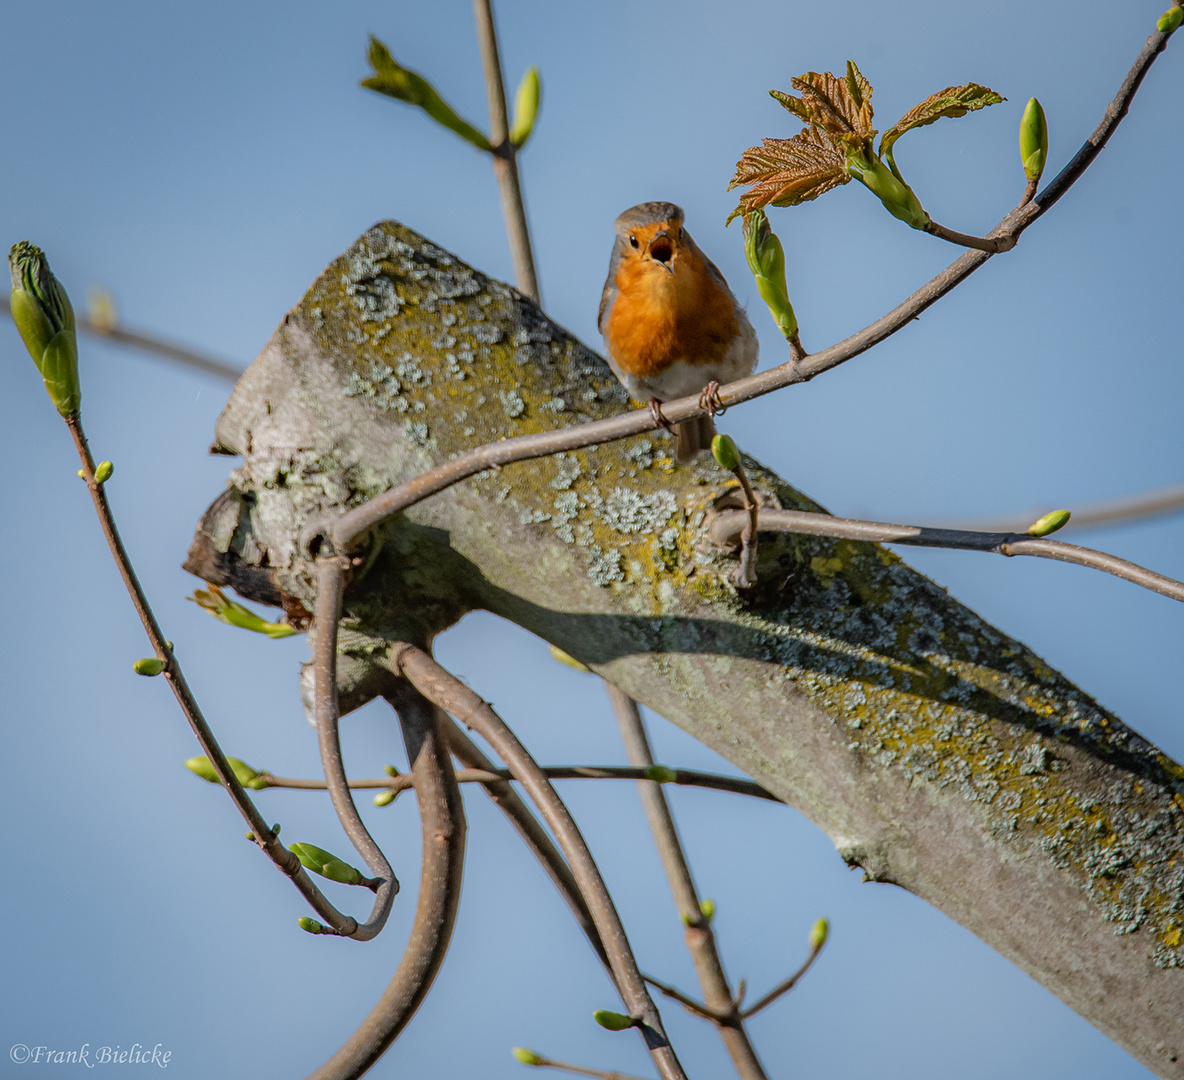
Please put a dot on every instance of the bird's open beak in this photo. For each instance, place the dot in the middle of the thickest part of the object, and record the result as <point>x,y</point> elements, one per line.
<point>661,250</point>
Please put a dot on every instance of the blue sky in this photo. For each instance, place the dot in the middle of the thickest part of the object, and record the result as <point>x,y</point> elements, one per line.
<point>204,162</point>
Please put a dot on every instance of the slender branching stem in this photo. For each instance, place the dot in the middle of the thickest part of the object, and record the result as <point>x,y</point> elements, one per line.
<point>783,987</point>
<point>531,831</point>
<point>505,154</point>
<point>355,523</point>
<point>728,526</point>
<point>436,684</point>
<point>700,937</point>
<point>493,778</point>
<point>261,831</point>
<point>992,244</point>
<point>442,822</point>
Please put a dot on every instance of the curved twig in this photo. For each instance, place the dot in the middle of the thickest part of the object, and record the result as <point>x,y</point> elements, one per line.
<point>330,586</point>
<point>436,684</point>
<point>261,832</point>
<point>442,820</point>
<point>727,527</point>
<point>349,527</point>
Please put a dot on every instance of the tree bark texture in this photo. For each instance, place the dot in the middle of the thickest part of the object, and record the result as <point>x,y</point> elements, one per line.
<point>939,754</point>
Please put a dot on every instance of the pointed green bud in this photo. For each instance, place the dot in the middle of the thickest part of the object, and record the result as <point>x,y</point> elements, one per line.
<point>725,452</point>
<point>661,774</point>
<point>898,198</point>
<point>394,80</point>
<point>81,474</point>
<point>390,770</point>
<point>766,260</point>
<point>707,909</point>
<point>250,835</point>
<point>526,107</point>
<point>311,926</point>
<point>328,865</point>
<point>1056,519</point>
<point>203,767</point>
<point>150,665</point>
<point>385,798</point>
<point>42,313</point>
<point>527,1057</point>
<point>563,658</point>
<point>1034,139</point>
<point>819,933</point>
<point>1170,20</point>
<point>103,472</point>
<point>613,1021</point>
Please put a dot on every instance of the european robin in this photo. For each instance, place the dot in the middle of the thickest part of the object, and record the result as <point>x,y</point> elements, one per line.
<point>671,325</point>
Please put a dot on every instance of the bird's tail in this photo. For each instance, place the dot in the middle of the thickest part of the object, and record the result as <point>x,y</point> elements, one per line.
<point>691,436</point>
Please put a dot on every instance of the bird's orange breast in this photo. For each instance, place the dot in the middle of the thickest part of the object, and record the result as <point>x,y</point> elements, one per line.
<point>659,318</point>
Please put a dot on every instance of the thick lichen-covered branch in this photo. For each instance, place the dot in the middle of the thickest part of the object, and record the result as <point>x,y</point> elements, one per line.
<point>938,753</point>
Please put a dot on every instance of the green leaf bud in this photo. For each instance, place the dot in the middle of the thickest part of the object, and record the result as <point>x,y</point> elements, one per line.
<point>201,766</point>
<point>325,863</point>
<point>390,770</point>
<point>526,107</point>
<point>1033,139</point>
<point>1050,523</point>
<point>385,798</point>
<point>613,1021</point>
<point>819,933</point>
<point>394,80</point>
<point>527,1057</point>
<point>150,665</point>
<point>725,452</point>
<point>311,926</point>
<point>231,612</point>
<point>1170,20</point>
<point>661,774</point>
<point>81,474</point>
<point>766,260</point>
<point>563,658</point>
<point>103,472</point>
<point>42,313</point>
<point>707,909</point>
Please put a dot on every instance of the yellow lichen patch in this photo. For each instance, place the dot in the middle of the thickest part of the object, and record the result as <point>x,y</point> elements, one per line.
<point>825,569</point>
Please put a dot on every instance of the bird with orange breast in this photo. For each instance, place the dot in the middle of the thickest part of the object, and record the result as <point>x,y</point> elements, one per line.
<point>671,325</point>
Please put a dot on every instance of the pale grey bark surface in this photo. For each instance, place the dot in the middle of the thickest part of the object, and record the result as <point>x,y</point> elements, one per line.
<point>938,753</point>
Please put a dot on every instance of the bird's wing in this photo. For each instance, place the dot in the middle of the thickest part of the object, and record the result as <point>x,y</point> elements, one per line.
<point>610,288</point>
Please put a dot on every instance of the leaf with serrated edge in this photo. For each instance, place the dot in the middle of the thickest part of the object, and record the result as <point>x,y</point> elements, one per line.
<point>786,172</point>
<point>952,101</point>
<point>830,104</point>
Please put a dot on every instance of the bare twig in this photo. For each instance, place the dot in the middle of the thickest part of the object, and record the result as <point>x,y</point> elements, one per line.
<point>505,154</point>
<point>582,1070</point>
<point>1165,500</point>
<point>783,987</point>
<point>451,694</point>
<point>686,1001</point>
<point>531,831</point>
<point>727,526</point>
<point>179,354</point>
<point>261,831</point>
<point>493,777</point>
<point>330,586</point>
<point>719,1000</point>
<point>442,822</point>
<point>744,576</point>
<point>346,529</point>
<point>992,244</point>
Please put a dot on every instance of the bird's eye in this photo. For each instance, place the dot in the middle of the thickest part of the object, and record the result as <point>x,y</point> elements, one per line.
<point>633,241</point>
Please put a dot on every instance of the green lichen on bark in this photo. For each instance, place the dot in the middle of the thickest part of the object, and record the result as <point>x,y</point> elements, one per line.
<point>892,715</point>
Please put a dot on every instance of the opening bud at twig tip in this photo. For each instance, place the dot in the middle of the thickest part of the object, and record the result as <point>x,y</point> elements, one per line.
<point>42,313</point>
<point>725,452</point>
<point>1170,20</point>
<point>1050,523</point>
<point>311,926</point>
<point>526,107</point>
<point>819,933</point>
<point>1033,140</point>
<point>526,1057</point>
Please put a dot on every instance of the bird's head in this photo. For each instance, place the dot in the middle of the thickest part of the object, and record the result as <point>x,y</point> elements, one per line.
<point>652,234</point>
